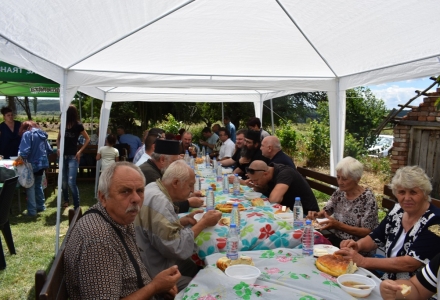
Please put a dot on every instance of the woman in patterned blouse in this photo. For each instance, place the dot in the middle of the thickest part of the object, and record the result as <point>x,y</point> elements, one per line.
<point>352,208</point>
<point>409,234</point>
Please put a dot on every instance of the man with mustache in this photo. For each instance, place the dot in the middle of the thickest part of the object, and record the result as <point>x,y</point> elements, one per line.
<point>101,259</point>
<point>163,239</point>
<point>166,152</point>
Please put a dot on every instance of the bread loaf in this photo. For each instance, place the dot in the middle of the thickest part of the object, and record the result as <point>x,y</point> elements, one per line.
<point>257,202</point>
<point>335,265</point>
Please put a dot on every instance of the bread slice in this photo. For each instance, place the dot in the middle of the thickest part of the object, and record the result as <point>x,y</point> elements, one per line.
<point>257,202</point>
<point>224,262</point>
<point>406,290</point>
<point>335,265</point>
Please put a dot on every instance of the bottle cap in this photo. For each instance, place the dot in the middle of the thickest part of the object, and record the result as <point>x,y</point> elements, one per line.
<point>297,199</point>
<point>308,222</point>
<point>232,225</point>
<point>210,188</point>
<point>235,204</point>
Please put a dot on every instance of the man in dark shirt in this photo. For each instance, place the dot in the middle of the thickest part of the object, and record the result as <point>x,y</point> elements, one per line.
<point>281,184</point>
<point>166,152</point>
<point>271,148</point>
<point>251,152</point>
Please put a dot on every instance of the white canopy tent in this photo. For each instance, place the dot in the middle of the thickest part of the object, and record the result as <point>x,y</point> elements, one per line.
<point>125,51</point>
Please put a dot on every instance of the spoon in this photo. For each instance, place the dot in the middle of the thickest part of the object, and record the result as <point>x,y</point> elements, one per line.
<point>362,286</point>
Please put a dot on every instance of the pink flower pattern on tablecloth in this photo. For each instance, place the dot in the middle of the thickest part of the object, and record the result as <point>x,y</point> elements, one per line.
<point>283,259</point>
<point>266,232</point>
<point>207,297</point>
<point>273,271</point>
<point>329,277</point>
<point>255,214</point>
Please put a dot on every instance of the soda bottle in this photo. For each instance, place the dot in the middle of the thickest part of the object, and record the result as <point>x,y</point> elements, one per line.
<point>235,216</point>
<point>298,215</point>
<point>308,239</point>
<point>210,200</point>
<point>232,243</point>
<point>236,185</point>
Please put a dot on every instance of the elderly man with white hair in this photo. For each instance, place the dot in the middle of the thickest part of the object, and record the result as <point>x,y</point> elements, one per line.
<point>164,239</point>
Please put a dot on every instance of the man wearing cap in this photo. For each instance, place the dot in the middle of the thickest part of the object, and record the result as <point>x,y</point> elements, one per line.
<point>163,238</point>
<point>166,152</point>
<point>271,148</point>
<point>281,184</point>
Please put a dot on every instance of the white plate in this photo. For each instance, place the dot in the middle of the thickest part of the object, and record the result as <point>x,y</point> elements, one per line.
<point>288,216</point>
<point>324,250</point>
<point>199,216</point>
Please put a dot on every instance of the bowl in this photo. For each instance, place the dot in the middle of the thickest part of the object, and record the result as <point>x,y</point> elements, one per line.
<point>198,216</point>
<point>245,273</point>
<point>252,195</point>
<point>13,157</point>
<point>357,279</point>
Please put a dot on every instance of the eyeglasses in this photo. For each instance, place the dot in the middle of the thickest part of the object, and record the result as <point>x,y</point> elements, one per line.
<point>252,171</point>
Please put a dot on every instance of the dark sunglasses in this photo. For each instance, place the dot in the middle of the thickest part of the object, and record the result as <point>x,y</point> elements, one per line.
<point>252,171</point>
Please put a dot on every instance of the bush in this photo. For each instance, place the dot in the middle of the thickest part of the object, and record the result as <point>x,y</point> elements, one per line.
<point>353,147</point>
<point>170,125</point>
<point>288,137</point>
<point>318,144</point>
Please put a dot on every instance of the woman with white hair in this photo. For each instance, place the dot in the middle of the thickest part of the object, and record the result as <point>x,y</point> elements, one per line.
<point>409,234</point>
<point>352,209</point>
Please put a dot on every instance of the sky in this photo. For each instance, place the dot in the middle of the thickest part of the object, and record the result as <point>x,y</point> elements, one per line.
<point>394,93</point>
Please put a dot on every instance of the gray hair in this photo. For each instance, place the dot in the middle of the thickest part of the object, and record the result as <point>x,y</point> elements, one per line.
<point>350,167</point>
<point>410,177</point>
<point>156,156</point>
<point>106,177</point>
<point>177,170</point>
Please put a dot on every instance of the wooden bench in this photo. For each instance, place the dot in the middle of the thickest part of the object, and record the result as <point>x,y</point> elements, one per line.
<point>53,286</point>
<point>321,182</point>
<point>389,200</point>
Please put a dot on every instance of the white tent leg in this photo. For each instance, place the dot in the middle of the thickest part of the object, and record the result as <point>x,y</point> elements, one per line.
<point>103,124</point>
<point>66,96</point>
<point>271,116</point>
<point>337,108</point>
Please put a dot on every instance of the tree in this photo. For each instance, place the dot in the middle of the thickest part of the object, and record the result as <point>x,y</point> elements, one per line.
<point>24,103</point>
<point>364,112</point>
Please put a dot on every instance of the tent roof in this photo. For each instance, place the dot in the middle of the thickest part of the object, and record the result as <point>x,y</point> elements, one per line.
<point>222,44</point>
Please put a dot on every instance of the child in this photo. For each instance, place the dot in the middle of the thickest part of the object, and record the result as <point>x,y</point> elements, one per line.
<point>108,153</point>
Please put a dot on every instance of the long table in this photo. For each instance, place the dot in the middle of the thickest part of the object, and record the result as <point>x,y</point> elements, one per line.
<point>285,274</point>
<point>260,227</point>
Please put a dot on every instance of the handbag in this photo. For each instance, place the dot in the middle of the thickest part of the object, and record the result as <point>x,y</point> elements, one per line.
<point>25,174</point>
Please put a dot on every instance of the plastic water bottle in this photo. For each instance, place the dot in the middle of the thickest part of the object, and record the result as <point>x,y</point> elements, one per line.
<point>210,200</point>
<point>219,172</point>
<point>207,161</point>
<point>191,162</point>
<point>235,217</point>
<point>308,239</point>
<point>214,163</point>
<point>236,185</point>
<point>203,151</point>
<point>298,215</point>
<point>232,243</point>
<point>225,184</point>
<point>197,184</point>
<point>186,157</point>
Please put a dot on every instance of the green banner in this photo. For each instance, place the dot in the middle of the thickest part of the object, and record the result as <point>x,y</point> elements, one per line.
<point>12,73</point>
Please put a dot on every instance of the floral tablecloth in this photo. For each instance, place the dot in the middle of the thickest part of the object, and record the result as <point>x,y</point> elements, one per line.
<point>260,229</point>
<point>285,274</point>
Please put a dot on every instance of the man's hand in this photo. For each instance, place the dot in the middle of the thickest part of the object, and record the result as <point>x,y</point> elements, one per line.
<point>166,280</point>
<point>171,294</point>
<point>243,160</point>
<point>352,254</point>
<point>196,194</point>
<point>189,218</point>
<point>195,202</point>
<point>211,218</point>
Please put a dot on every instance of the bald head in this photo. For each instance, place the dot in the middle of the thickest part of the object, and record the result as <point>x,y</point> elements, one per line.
<point>258,165</point>
<point>270,146</point>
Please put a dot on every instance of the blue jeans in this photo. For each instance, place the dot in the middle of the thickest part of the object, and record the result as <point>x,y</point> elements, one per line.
<point>35,197</point>
<point>70,170</point>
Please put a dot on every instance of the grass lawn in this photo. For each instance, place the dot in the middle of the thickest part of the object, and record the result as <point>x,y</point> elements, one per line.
<point>34,240</point>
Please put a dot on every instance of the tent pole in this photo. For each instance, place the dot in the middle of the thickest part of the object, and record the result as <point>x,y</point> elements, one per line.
<point>271,116</point>
<point>92,118</point>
